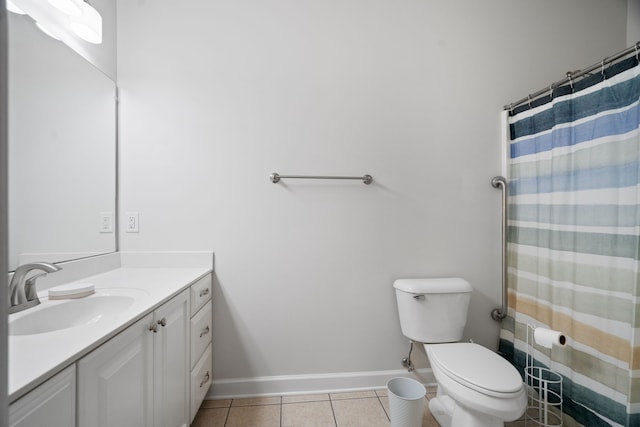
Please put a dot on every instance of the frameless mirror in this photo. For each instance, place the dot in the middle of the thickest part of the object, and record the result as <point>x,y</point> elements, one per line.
<point>62,150</point>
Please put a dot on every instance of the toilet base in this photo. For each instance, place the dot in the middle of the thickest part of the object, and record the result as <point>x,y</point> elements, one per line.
<point>437,407</point>
<point>449,413</point>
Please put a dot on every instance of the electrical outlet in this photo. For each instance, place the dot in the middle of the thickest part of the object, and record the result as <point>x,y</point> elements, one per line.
<point>106,222</point>
<point>131,222</point>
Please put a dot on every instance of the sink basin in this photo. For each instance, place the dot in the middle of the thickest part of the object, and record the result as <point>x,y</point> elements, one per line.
<point>64,314</point>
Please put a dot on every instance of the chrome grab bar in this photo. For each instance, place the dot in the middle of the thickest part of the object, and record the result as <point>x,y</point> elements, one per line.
<point>500,313</point>
<point>276,177</point>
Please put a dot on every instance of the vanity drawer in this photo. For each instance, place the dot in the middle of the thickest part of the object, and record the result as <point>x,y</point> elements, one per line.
<point>200,333</point>
<point>200,293</point>
<point>201,381</point>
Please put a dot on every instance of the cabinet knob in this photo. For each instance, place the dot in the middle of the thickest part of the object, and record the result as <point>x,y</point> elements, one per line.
<point>205,379</point>
<point>162,322</point>
<point>204,332</point>
<point>154,328</point>
<point>204,292</point>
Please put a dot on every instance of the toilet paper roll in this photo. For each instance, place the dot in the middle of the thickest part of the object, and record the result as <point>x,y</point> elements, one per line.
<point>548,337</point>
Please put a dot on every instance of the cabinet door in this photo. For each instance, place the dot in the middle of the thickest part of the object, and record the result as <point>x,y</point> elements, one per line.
<point>171,387</point>
<point>115,381</point>
<point>52,404</point>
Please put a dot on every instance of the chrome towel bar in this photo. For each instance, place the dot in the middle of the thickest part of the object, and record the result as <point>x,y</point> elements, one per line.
<point>276,177</point>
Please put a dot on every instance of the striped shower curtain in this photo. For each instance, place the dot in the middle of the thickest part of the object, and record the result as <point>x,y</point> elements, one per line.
<point>574,242</point>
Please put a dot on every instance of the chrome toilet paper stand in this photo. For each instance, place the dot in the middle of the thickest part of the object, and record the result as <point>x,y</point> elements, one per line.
<point>544,390</point>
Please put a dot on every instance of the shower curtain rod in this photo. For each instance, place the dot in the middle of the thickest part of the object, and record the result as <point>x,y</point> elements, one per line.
<point>572,75</point>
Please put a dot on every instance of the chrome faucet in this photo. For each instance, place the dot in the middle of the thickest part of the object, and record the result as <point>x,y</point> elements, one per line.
<point>22,291</point>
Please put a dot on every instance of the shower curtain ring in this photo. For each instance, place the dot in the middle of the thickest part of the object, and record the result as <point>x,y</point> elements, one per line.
<point>569,76</point>
<point>551,91</point>
<point>637,52</point>
<point>529,96</point>
<point>602,69</point>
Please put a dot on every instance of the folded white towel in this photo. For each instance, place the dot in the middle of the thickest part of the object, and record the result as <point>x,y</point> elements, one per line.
<point>71,291</point>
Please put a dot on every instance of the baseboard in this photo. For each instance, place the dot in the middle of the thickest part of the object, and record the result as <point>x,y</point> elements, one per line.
<point>310,384</point>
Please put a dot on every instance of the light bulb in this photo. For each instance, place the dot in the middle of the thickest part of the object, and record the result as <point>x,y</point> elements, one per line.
<point>68,7</point>
<point>11,7</point>
<point>88,26</point>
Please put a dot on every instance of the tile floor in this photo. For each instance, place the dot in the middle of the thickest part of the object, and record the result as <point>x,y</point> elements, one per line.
<point>363,408</point>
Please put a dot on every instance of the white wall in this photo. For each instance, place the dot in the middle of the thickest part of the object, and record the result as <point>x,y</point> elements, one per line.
<point>633,22</point>
<point>216,95</point>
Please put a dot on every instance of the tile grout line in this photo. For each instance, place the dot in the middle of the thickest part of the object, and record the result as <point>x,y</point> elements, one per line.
<point>383,408</point>
<point>226,419</point>
<point>333,412</point>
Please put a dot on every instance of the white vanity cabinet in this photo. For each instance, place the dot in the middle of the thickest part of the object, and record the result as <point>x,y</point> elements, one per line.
<point>148,365</point>
<point>201,349</point>
<point>51,404</point>
<point>115,381</point>
<point>171,363</point>
<point>140,378</point>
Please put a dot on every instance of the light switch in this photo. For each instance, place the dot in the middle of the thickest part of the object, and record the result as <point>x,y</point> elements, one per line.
<point>106,222</point>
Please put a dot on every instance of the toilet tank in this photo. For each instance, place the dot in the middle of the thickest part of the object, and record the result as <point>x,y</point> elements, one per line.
<point>433,310</point>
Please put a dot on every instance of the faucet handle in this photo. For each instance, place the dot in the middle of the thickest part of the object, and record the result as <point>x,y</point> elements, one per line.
<point>30,287</point>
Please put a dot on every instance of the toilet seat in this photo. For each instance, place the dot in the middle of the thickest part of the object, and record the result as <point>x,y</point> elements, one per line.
<point>477,368</point>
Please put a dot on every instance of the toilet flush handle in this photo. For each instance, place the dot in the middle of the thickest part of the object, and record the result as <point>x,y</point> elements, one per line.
<point>419,297</point>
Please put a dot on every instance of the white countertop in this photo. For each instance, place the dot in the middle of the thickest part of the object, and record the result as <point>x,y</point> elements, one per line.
<point>37,357</point>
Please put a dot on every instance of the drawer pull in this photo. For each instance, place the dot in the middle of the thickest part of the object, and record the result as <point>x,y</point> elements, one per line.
<point>204,332</point>
<point>154,328</point>
<point>205,379</point>
<point>204,292</point>
<point>162,322</point>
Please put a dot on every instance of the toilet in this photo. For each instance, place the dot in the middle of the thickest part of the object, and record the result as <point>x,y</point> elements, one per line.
<point>476,387</point>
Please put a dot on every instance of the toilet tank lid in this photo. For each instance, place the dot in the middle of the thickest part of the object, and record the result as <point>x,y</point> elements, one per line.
<point>443,285</point>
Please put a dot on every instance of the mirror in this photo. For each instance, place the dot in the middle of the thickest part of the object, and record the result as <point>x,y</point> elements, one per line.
<point>62,150</point>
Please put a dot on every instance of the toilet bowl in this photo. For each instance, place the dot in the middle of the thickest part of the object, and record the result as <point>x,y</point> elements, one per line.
<point>476,387</point>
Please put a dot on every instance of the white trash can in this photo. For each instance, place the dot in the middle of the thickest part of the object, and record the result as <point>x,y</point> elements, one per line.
<point>406,402</point>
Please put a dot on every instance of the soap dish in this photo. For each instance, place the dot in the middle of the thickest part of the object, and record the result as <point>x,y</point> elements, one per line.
<point>71,291</point>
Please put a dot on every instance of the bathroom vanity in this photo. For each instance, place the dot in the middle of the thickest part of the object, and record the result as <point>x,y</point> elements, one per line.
<point>144,358</point>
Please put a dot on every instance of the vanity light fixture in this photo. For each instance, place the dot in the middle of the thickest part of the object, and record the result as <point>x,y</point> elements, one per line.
<point>68,7</point>
<point>88,26</point>
<point>11,7</point>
